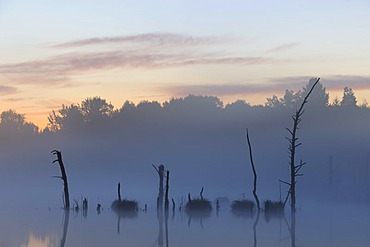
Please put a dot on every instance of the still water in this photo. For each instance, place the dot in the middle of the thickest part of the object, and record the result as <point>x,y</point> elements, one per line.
<point>317,224</point>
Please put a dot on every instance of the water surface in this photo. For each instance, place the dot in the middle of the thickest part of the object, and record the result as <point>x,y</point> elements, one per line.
<point>318,224</point>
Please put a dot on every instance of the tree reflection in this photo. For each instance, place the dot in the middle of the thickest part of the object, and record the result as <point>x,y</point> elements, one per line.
<point>160,227</point>
<point>65,228</point>
<point>122,214</point>
<point>255,229</point>
<point>162,218</point>
<point>292,228</point>
<point>166,226</point>
<point>198,215</point>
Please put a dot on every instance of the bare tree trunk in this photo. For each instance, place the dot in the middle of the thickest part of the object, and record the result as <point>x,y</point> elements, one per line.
<point>63,177</point>
<point>254,174</point>
<point>160,171</point>
<point>294,169</point>
<point>166,202</point>
<point>119,192</point>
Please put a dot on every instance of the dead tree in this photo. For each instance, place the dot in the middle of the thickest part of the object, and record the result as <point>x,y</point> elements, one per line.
<point>160,171</point>
<point>293,144</point>
<point>167,202</point>
<point>119,192</point>
<point>254,174</point>
<point>63,177</point>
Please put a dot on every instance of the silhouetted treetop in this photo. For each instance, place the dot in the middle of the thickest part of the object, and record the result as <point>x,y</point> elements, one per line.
<point>149,106</point>
<point>274,102</point>
<point>128,107</point>
<point>364,104</point>
<point>95,109</point>
<point>319,97</point>
<point>14,123</point>
<point>291,99</point>
<point>336,102</point>
<point>66,118</point>
<point>193,102</point>
<point>349,98</point>
<point>12,118</point>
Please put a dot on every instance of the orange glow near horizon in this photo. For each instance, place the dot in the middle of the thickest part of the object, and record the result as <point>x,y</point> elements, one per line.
<point>39,116</point>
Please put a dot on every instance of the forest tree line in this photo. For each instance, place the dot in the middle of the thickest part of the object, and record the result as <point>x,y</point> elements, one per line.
<point>98,114</point>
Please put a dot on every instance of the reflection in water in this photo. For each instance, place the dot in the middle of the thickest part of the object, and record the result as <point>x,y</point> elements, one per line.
<point>274,209</point>
<point>199,215</point>
<point>34,241</point>
<point>292,228</point>
<point>84,208</point>
<point>52,240</point>
<point>160,227</point>
<point>65,228</point>
<point>124,214</point>
<point>161,221</point>
<point>255,228</point>
<point>166,226</point>
<point>309,227</point>
<point>273,215</point>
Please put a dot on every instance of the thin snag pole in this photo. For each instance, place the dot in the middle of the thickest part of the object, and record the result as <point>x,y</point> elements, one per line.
<point>119,192</point>
<point>293,144</point>
<point>63,177</point>
<point>254,174</point>
<point>166,202</point>
<point>160,171</point>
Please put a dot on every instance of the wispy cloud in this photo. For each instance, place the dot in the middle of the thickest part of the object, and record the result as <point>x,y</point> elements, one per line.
<point>272,86</point>
<point>6,90</point>
<point>20,99</point>
<point>165,39</point>
<point>284,47</point>
<point>70,63</point>
<point>223,89</point>
<point>336,82</point>
<point>59,70</point>
<point>331,82</point>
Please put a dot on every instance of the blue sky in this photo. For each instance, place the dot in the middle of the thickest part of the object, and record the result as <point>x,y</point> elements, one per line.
<point>55,52</point>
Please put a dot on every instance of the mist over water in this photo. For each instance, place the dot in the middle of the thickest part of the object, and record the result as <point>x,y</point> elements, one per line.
<point>318,224</point>
<point>202,143</point>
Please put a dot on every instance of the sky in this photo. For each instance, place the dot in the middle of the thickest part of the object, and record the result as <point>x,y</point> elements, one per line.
<point>61,52</point>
